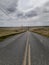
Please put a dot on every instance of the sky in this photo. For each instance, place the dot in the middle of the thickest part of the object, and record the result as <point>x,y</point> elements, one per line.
<point>27,5</point>
<point>14,13</point>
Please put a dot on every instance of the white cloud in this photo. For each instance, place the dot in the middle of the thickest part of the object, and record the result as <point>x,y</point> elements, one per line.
<point>26,5</point>
<point>22,22</point>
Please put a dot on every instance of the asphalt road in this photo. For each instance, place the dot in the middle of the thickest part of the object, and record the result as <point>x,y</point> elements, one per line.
<point>12,54</point>
<point>39,50</point>
<point>25,49</point>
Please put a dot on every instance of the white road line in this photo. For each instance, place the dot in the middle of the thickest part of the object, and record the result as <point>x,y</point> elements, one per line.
<point>29,56</point>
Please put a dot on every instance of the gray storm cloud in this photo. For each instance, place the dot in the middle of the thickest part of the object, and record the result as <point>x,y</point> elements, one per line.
<point>8,6</point>
<point>12,14</point>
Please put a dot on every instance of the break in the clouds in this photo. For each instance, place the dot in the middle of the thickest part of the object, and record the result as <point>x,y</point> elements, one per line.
<point>23,13</point>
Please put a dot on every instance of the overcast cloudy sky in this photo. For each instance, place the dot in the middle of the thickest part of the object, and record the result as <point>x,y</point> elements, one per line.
<point>13,13</point>
<point>26,5</point>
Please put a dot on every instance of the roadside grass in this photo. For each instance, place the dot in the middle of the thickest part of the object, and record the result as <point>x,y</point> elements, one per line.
<point>4,37</point>
<point>42,31</point>
<point>7,33</point>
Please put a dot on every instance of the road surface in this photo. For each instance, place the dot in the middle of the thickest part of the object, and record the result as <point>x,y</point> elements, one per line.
<point>25,49</point>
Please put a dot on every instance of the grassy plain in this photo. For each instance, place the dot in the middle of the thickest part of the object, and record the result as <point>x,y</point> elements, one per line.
<point>6,32</point>
<point>41,30</point>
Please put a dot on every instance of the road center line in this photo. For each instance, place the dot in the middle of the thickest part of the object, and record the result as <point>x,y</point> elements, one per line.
<point>25,56</point>
<point>29,56</point>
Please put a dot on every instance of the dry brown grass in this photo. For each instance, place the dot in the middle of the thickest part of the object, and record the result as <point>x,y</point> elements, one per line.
<point>4,33</point>
<point>42,31</point>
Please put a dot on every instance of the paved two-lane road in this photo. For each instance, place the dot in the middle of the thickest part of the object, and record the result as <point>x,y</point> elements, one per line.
<point>39,50</point>
<point>25,49</point>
